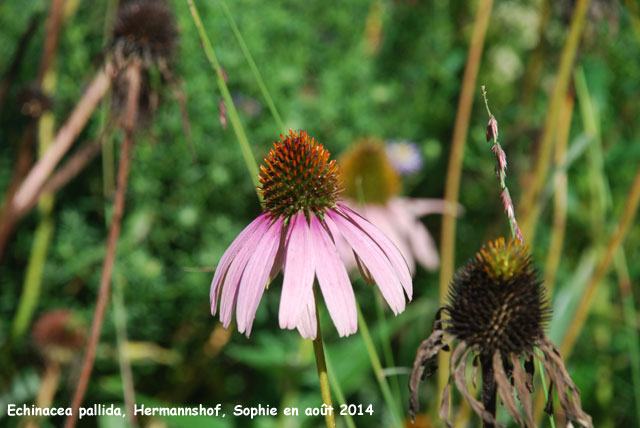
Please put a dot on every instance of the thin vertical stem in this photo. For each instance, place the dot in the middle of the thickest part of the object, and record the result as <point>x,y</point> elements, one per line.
<point>48,387</point>
<point>454,169</point>
<point>236,124</point>
<point>133,74</point>
<point>489,389</point>
<point>33,278</point>
<point>630,317</point>
<point>580,316</point>
<point>386,348</point>
<point>530,209</point>
<point>501,170</point>
<point>44,232</point>
<point>338,390</point>
<point>252,65</point>
<point>543,380</point>
<point>560,195</point>
<point>377,369</point>
<point>325,389</point>
<point>120,321</point>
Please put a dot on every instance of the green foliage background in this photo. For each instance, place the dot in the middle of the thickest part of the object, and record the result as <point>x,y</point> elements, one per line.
<point>183,208</point>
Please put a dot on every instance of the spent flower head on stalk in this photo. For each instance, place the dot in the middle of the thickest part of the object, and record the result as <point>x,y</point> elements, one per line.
<point>144,31</point>
<point>303,216</point>
<point>373,181</point>
<point>497,311</point>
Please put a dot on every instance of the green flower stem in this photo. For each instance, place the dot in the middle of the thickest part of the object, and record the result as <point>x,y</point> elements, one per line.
<point>120,322</point>
<point>544,389</point>
<point>236,124</point>
<point>325,390</point>
<point>338,390</point>
<point>252,65</point>
<point>33,278</point>
<point>377,369</point>
<point>385,339</point>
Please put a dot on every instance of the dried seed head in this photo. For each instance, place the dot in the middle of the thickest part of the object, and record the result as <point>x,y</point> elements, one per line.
<point>496,301</point>
<point>33,102</point>
<point>298,176</point>
<point>144,29</point>
<point>368,173</point>
<point>57,334</point>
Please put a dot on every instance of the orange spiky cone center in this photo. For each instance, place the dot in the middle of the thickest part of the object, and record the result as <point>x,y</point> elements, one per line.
<point>298,175</point>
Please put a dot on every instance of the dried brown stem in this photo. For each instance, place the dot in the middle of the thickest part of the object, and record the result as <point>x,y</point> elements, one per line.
<point>560,195</point>
<point>51,41</point>
<point>580,316</point>
<point>17,57</point>
<point>65,137</point>
<point>67,172</point>
<point>7,218</point>
<point>24,160</point>
<point>114,233</point>
<point>46,393</point>
<point>529,206</point>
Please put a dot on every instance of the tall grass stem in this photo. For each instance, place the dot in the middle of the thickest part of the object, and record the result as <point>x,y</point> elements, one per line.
<point>620,232</point>
<point>529,206</point>
<point>454,168</point>
<point>253,66</point>
<point>236,123</point>
<point>377,370</point>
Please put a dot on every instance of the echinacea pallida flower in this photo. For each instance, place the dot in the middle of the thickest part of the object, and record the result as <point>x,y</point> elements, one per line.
<point>497,312</point>
<point>296,234</point>
<point>372,183</point>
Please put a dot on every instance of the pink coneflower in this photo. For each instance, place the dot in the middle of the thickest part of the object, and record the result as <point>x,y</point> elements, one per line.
<point>296,233</point>
<point>372,186</point>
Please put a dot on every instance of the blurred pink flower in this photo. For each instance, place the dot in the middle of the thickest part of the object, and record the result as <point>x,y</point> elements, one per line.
<point>371,173</point>
<point>297,233</point>
<point>399,219</point>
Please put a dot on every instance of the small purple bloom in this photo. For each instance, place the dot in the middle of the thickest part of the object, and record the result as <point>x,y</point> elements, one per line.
<point>405,156</point>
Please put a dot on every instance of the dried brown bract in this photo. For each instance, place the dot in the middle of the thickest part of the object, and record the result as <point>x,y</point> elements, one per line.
<point>497,311</point>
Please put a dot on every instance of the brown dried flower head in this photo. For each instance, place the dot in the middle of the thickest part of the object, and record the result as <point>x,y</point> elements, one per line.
<point>58,335</point>
<point>497,302</point>
<point>144,29</point>
<point>497,313</point>
<point>33,102</point>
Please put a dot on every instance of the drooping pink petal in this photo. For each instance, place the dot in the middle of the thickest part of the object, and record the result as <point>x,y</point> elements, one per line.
<point>420,207</point>
<point>373,258</point>
<point>381,217</point>
<point>229,255</point>
<point>278,264</point>
<point>298,273</point>
<point>392,253</point>
<point>307,323</point>
<point>334,281</point>
<point>421,243</point>
<point>255,277</point>
<point>234,275</point>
